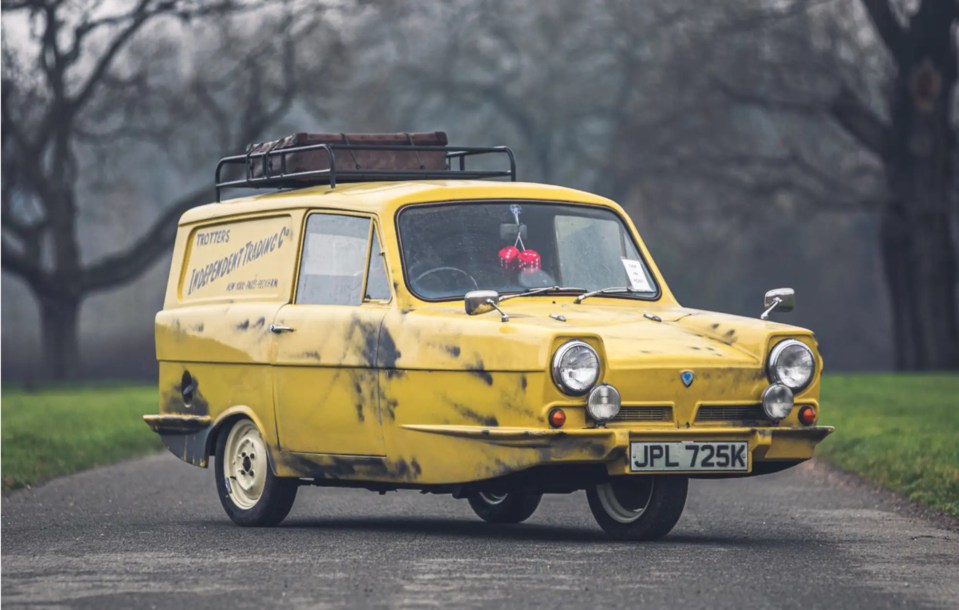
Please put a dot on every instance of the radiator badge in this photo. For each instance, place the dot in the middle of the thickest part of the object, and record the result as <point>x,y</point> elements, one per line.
<point>687,377</point>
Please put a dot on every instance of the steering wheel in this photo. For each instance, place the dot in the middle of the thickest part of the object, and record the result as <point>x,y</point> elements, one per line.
<point>442,269</point>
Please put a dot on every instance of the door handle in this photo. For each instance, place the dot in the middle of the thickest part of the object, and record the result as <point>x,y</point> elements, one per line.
<point>280,329</point>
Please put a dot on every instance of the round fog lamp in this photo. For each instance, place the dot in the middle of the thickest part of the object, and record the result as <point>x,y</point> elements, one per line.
<point>603,403</point>
<point>777,401</point>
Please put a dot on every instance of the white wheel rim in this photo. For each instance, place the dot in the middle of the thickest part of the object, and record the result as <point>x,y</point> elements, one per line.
<point>492,499</point>
<point>621,507</point>
<point>244,464</point>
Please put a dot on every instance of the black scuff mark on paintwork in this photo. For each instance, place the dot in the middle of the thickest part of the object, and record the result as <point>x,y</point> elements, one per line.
<point>244,325</point>
<point>714,325</point>
<point>351,468</point>
<point>358,388</point>
<point>260,322</point>
<point>378,348</point>
<point>401,469</point>
<point>388,406</point>
<point>484,375</point>
<point>453,350</point>
<point>198,328</point>
<point>729,337</point>
<point>173,401</point>
<point>387,354</point>
<point>523,382</point>
<point>369,334</point>
<point>470,414</point>
<point>312,355</point>
<point>334,468</point>
<point>617,453</point>
<point>478,368</point>
<point>597,450</point>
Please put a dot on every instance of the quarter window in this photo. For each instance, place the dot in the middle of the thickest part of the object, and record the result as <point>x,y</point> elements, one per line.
<point>377,286</point>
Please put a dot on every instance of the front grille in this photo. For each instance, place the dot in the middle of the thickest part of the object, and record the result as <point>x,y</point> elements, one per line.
<point>644,414</point>
<point>744,413</point>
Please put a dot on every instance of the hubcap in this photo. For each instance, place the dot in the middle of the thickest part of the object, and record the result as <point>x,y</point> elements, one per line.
<point>626,501</point>
<point>245,464</point>
<point>491,498</point>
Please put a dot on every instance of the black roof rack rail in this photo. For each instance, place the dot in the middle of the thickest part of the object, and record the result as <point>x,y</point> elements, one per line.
<point>455,167</point>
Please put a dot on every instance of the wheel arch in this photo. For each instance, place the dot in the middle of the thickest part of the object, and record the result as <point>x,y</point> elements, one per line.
<point>226,419</point>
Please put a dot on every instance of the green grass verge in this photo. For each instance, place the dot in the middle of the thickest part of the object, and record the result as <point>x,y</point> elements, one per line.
<point>53,432</point>
<point>900,431</point>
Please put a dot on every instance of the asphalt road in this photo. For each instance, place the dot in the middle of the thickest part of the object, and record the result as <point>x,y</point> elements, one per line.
<point>151,533</point>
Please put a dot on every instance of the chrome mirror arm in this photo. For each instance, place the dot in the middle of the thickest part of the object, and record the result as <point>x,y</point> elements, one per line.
<point>775,303</point>
<point>502,314</point>
<point>778,299</point>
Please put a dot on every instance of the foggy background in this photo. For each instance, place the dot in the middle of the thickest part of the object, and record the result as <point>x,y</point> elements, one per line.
<point>719,126</point>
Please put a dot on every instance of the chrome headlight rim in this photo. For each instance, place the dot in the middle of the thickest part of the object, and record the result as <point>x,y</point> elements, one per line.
<point>776,352</point>
<point>788,397</point>
<point>608,396</point>
<point>561,352</point>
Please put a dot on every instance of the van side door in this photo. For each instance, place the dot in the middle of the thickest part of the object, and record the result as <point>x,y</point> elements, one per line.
<point>326,341</point>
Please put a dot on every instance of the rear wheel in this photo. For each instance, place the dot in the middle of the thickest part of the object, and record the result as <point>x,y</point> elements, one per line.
<point>249,491</point>
<point>638,507</point>
<point>504,508</point>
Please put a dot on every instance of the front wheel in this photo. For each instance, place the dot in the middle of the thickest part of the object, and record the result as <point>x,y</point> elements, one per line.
<point>249,491</point>
<point>638,507</point>
<point>504,508</point>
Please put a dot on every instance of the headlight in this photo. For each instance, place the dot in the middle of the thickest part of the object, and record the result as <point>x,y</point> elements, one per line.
<point>777,401</point>
<point>575,367</point>
<point>792,364</point>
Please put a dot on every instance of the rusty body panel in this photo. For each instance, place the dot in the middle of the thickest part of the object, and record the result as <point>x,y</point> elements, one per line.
<point>406,392</point>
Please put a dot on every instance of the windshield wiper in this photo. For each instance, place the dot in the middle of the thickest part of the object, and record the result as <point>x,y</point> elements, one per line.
<point>535,291</point>
<point>613,290</point>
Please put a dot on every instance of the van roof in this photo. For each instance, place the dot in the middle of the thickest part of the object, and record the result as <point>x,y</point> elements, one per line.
<point>384,198</point>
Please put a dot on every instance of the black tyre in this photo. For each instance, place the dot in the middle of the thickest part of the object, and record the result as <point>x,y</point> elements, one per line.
<point>249,491</point>
<point>638,507</point>
<point>504,508</point>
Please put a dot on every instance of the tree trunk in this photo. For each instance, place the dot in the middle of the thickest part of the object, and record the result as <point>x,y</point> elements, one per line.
<point>918,248</point>
<point>61,346</point>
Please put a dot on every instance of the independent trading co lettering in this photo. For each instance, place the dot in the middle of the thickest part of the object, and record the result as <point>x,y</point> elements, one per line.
<point>249,252</point>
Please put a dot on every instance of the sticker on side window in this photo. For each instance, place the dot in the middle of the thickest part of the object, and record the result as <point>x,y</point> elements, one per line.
<point>637,275</point>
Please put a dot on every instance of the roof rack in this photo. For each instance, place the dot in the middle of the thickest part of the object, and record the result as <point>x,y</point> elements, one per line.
<point>455,167</point>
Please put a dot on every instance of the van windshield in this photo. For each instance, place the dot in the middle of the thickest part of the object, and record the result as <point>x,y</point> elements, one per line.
<point>451,249</point>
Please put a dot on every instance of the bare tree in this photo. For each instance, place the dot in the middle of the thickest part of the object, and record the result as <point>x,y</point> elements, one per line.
<point>863,98</point>
<point>742,109</point>
<point>79,86</point>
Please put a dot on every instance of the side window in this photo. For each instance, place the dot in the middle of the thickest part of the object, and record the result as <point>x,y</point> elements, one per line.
<point>377,285</point>
<point>334,260</point>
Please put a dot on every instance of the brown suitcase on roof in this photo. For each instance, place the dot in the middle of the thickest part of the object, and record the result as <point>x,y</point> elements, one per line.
<point>272,165</point>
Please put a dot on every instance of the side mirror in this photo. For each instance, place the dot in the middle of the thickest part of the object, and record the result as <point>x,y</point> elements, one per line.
<point>778,299</point>
<point>480,301</point>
